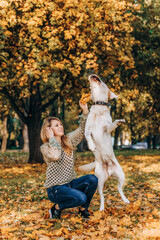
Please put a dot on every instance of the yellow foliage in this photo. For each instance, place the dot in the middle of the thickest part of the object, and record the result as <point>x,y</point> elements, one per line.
<point>65,36</point>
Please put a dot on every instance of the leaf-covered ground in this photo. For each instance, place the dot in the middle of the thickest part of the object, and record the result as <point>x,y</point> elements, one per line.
<point>24,205</point>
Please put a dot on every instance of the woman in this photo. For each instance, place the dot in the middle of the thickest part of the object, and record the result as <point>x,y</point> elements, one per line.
<point>63,188</point>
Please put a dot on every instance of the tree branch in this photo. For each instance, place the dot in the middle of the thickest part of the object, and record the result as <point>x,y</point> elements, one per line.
<point>14,105</point>
<point>24,105</point>
<point>44,106</point>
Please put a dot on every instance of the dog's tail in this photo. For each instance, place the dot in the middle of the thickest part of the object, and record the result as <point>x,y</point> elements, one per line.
<point>87,167</point>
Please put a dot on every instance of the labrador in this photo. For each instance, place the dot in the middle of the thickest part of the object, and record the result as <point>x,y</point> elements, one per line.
<point>98,130</point>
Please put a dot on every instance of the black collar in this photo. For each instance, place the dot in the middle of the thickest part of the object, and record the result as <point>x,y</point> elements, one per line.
<point>102,103</point>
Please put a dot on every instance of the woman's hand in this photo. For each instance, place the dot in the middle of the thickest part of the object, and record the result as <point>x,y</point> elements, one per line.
<point>49,132</point>
<point>84,107</point>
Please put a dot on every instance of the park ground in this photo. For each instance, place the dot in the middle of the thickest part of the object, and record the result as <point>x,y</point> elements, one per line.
<point>24,204</point>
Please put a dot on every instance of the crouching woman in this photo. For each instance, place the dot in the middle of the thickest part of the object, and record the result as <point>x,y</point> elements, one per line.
<point>63,188</point>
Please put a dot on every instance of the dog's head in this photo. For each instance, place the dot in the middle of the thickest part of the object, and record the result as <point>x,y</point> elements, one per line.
<point>99,90</point>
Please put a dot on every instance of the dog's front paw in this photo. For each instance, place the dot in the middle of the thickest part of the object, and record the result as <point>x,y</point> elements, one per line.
<point>92,147</point>
<point>120,121</point>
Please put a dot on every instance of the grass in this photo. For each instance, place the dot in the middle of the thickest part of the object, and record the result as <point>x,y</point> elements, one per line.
<point>144,152</point>
<point>17,156</point>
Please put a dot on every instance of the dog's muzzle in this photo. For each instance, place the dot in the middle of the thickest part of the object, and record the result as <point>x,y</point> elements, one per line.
<point>102,103</point>
<point>95,78</point>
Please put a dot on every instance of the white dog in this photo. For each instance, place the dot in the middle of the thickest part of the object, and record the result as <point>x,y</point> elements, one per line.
<point>99,125</point>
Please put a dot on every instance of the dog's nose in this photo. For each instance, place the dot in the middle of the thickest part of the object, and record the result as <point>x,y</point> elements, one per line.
<point>94,77</point>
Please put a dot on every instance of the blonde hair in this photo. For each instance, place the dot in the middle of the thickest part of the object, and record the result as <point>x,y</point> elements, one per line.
<point>64,139</point>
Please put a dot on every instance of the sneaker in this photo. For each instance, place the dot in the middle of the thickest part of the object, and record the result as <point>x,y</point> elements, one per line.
<point>55,213</point>
<point>84,213</point>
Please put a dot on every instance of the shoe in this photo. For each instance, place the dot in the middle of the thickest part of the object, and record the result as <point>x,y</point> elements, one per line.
<point>55,213</point>
<point>84,213</point>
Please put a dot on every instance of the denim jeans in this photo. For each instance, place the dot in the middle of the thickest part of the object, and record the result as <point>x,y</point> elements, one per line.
<point>78,192</point>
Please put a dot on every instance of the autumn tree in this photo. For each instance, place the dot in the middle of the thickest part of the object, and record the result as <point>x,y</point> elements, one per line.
<point>51,46</point>
<point>136,108</point>
<point>4,117</point>
<point>147,60</point>
<point>139,87</point>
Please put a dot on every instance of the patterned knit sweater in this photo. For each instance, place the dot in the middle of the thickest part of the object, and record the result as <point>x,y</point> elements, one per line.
<point>60,165</point>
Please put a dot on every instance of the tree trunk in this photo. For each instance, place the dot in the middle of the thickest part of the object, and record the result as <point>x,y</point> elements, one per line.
<point>62,109</point>
<point>149,138</point>
<point>154,141</point>
<point>116,138</point>
<point>25,138</point>
<point>4,136</point>
<point>34,127</point>
<point>133,140</point>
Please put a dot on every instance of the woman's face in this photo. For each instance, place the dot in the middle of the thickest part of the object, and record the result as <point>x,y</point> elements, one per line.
<point>57,128</point>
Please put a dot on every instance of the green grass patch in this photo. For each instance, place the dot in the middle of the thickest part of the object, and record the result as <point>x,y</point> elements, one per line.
<point>145,152</point>
<point>13,156</point>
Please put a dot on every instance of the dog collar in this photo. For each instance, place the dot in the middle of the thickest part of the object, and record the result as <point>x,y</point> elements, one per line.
<point>102,103</point>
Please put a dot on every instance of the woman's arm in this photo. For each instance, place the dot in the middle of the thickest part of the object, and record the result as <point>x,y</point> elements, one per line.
<point>77,136</point>
<point>51,150</point>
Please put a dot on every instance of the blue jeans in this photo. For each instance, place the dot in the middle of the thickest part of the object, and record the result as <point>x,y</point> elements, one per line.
<point>78,192</point>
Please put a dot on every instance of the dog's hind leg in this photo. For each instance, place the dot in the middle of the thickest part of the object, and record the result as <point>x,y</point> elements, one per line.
<point>121,179</point>
<point>100,190</point>
<point>102,175</point>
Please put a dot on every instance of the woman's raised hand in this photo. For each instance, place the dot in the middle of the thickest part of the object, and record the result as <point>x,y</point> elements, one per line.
<point>84,107</point>
<point>49,132</point>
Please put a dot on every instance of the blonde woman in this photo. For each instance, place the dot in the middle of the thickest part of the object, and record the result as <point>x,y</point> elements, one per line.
<point>63,188</point>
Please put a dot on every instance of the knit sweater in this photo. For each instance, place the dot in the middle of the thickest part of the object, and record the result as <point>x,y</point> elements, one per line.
<point>60,165</point>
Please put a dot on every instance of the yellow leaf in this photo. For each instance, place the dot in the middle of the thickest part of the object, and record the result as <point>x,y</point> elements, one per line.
<point>10,229</point>
<point>76,219</point>
<point>59,65</point>
<point>65,230</point>
<point>8,33</point>
<point>28,198</point>
<point>126,221</point>
<point>47,226</point>
<point>67,35</point>
<point>150,195</point>
<point>59,232</point>
<point>96,216</point>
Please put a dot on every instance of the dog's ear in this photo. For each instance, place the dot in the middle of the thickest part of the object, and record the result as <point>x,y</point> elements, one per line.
<point>111,95</point>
